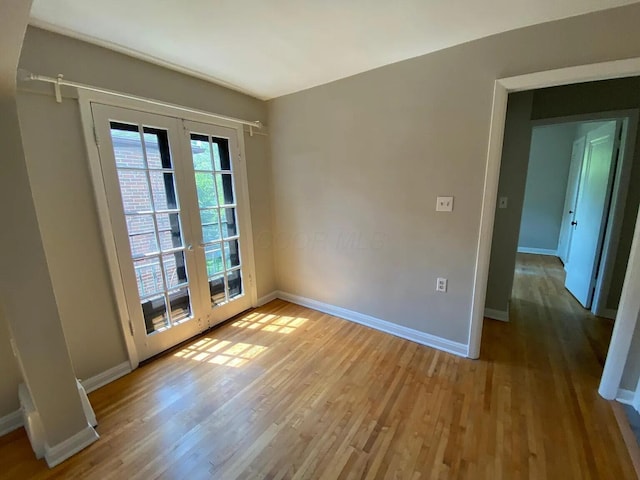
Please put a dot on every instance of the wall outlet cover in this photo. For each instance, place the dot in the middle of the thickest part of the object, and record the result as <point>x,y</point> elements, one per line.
<point>444,204</point>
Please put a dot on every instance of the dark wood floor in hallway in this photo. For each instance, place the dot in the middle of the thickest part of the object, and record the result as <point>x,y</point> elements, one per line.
<point>288,392</point>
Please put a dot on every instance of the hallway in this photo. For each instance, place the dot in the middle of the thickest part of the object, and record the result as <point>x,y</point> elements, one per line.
<point>288,392</point>
<point>554,352</point>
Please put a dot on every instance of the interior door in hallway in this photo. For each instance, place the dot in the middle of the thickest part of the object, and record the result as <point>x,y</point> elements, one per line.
<point>571,197</point>
<point>591,211</point>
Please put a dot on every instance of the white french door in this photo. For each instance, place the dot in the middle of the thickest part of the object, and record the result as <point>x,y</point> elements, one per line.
<point>177,220</point>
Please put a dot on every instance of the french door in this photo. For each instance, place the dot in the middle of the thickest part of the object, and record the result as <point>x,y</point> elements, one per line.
<point>172,191</point>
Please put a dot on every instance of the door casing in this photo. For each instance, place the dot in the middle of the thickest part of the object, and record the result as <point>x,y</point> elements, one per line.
<point>629,306</point>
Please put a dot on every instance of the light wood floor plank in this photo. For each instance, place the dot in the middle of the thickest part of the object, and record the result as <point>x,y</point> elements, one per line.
<point>284,392</point>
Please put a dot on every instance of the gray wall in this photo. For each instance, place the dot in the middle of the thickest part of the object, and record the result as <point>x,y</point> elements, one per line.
<point>27,300</point>
<point>63,192</point>
<point>12,29</point>
<point>368,155</point>
<point>513,177</point>
<point>548,172</point>
<point>10,374</point>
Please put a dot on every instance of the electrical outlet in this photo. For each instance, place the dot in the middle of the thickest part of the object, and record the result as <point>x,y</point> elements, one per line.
<point>502,202</point>
<point>444,204</point>
<point>441,284</point>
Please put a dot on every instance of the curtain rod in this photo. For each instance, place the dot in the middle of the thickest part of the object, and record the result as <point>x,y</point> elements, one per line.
<point>59,81</point>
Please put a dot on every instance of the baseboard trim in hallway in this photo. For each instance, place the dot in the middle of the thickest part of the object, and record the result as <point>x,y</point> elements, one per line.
<point>627,434</point>
<point>538,251</point>
<point>493,314</point>
<point>625,396</point>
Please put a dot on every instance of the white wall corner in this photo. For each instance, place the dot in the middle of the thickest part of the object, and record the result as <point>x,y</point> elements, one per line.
<point>538,251</point>
<point>86,405</point>
<point>417,336</point>
<point>269,297</point>
<point>11,422</point>
<point>60,452</point>
<point>35,430</point>
<point>93,383</point>
<point>15,420</point>
<point>625,396</point>
<point>493,314</point>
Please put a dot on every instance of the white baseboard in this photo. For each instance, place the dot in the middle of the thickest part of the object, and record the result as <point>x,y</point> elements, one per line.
<point>625,396</point>
<point>609,313</point>
<point>267,298</point>
<point>14,420</point>
<point>378,324</point>
<point>100,380</point>
<point>502,315</point>
<point>72,445</point>
<point>538,251</point>
<point>11,422</point>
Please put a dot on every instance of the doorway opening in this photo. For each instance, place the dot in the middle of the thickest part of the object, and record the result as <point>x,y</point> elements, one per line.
<point>567,163</point>
<point>521,91</point>
<point>574,202</point>
<point>565,174</point>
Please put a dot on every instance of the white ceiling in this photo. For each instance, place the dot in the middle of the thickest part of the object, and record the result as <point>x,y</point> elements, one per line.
<point>269,48</point>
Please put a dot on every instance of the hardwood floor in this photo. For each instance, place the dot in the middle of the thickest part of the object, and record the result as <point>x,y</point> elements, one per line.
<point>288,392</point>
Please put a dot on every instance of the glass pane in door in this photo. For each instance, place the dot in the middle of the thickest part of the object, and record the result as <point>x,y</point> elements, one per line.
<point>153,217</point>
<point>217,202</point>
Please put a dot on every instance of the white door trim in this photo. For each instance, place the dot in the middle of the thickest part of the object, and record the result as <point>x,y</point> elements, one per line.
<point>100,192</point>
<point>85,99</point>
<point>629,306</point>
<point>616,212</point>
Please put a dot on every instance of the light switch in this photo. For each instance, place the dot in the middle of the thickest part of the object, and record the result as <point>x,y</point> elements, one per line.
<point>502,202</point>
<point>444,204</point>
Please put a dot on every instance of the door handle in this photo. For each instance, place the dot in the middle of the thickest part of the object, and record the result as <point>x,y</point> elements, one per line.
<point>570,211</point>
<point>574,223</point>
<point>190,247</point>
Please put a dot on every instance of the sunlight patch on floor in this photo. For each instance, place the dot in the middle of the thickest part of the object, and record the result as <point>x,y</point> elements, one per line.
<point>270,323</point>
<point>221,352</point>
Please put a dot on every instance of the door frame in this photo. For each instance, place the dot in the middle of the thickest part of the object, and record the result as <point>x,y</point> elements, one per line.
<point>619,190</point>
<point>629,303</point>
<point>85,99</point>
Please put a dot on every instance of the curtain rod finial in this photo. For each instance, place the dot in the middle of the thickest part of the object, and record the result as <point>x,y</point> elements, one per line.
<point>24,75</point>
